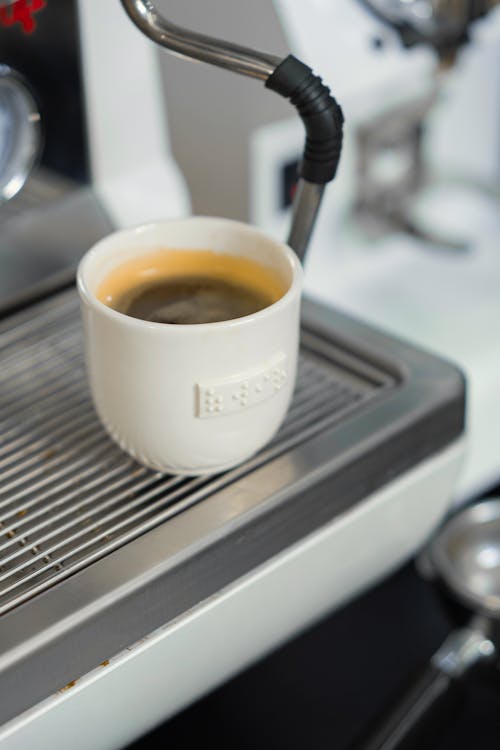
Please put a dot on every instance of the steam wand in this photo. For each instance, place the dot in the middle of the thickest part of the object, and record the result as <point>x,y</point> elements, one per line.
<point>290,78</point>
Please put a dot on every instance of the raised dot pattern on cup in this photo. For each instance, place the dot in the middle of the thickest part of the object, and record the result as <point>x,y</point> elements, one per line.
<point>233,395</point>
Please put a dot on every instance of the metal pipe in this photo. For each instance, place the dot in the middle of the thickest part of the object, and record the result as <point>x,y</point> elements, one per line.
<point>306,206</point>
<point>196,46</point>
<point>319,111</point>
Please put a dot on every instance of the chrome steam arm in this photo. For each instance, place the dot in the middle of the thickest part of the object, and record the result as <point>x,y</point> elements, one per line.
<point>291,79</point>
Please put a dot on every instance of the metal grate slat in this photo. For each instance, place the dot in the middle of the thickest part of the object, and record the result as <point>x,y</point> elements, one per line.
<point>68,494</point>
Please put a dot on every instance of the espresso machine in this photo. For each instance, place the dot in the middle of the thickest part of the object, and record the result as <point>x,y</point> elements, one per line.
<point>126,594</point>
<point>408,238</point>
<point>72,167</point>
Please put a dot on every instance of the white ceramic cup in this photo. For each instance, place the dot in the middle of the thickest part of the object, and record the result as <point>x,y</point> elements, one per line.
<point>191,399</point>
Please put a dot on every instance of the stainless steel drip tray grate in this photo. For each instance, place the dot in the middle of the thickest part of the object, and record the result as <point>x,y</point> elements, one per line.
<point>96,551</point>
<point>68,495</point>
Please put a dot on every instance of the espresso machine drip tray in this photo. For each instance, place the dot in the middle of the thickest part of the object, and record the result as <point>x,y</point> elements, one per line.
<point>97,551</point>
<point>69,495</point>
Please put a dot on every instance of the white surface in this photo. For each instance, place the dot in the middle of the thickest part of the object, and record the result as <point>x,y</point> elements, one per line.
<point>145,376</point>
<point>132,167</point>
<point>443,301</point>
<point>272,147</point>
<point>159,676</point>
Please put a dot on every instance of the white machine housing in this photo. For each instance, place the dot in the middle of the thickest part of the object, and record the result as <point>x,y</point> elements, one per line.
<point>132,166</point>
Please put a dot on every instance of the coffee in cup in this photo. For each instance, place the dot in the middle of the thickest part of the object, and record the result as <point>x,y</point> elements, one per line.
<point>190,288</point>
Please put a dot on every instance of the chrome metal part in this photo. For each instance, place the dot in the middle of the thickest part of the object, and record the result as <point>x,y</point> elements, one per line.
<point>20,134</point>
<point>42,189</point>
<point>238,59</point>
<point>390,166</point>
<point>306,207</point>
<point>466,555</point>
<point>196,46</point>
<point>45,230</point>
<point>462,650</point>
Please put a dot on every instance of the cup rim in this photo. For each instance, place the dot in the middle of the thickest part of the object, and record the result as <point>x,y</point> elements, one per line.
<point>89,297</point>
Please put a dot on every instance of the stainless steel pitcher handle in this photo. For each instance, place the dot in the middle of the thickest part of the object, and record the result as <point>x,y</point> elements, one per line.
<point>290,78</point>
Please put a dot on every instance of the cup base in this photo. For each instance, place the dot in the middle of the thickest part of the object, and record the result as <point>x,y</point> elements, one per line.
<point>173,470</point>
<point>220,469</point>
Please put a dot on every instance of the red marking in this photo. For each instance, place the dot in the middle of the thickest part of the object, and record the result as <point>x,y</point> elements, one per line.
<point>293,190</point>
<point>21,12</point>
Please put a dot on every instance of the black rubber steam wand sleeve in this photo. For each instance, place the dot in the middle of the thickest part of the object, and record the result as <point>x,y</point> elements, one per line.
<point>320,113</point>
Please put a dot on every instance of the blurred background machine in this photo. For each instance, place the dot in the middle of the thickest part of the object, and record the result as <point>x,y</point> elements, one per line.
<point>408,238</point>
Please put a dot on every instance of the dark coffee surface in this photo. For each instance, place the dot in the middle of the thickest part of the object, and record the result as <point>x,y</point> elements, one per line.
<point>191,300</point>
